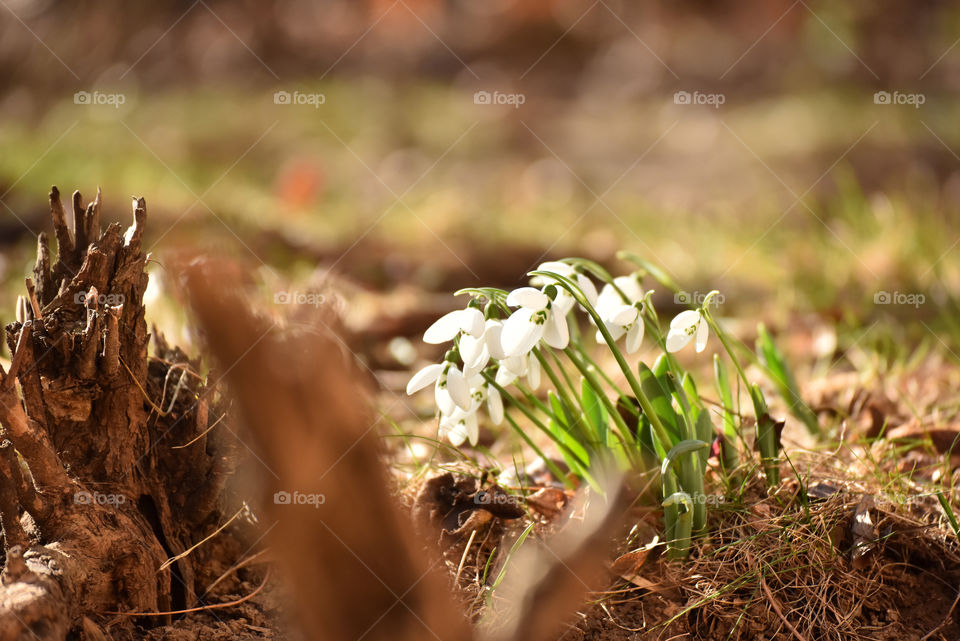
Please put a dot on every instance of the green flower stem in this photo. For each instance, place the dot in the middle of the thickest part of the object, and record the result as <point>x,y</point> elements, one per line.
<point>561,369</point>
<point>595,384</point>
<point>532,416</point>
<point>557,384</point>
<point>621,361</point>
<point>553,467</point>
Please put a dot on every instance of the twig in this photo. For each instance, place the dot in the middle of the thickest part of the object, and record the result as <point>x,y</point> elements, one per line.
<point>463,558</point>
<point>236,566</point>
<point>193,547</point>
<point>776,608</point>
<point>200,435</point>
<point>199,609</point>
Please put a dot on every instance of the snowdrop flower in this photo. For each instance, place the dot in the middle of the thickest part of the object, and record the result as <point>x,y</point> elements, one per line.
<point>565,300</point>
<point>450,386</point>
<point>537,317</point>
<point>514,367</point>
<point>459,427</point>
<point>467,321</point>
<point>684,327</point>
<point>610,299</point>
<point>462,424</point>
<point>476,352</point>
<point>622,317</point>
<point>482,392</point>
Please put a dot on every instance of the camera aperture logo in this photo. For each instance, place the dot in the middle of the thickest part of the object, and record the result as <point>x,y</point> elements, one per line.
<point>98,498</point>
<point>99,98</point>
<point>314,100</point>
<point>298,298</point>
<point>499,98</point>
<point>698,98</point>
<point>898,298</point>
<point>899,98</point>
<point>298,498</point>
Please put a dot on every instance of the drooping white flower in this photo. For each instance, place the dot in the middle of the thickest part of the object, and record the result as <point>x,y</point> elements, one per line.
<point>514,367</point>
<point>459,427</point>
<point>450,386</point>
<point>483,392</point>
<point>461,424</point>
<point>685,326</point>
<point>537,317</point>
<point>468,321</point>
<point>476,352</point>
<point>622,317</point>
<point>564,299</point>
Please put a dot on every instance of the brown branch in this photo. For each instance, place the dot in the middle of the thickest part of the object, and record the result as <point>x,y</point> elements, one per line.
<point>60,228</point>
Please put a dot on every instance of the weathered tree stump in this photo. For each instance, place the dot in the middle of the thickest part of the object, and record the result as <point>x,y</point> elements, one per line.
<point>93,499</point>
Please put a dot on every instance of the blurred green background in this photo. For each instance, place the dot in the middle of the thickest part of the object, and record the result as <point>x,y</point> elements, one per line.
<point>300,134</point>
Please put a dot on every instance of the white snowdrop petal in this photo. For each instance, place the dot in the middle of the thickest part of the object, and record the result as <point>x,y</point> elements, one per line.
<point>556,267</point>
<point>471,321</point>
<point>471,349</point>
<point>457,434</point>
<point>458,389</point>
<point>492,336</point>
<point>444,328</point>
<point>685,319</point>
<point>494,406</point>
<point>527,297</point>
<point>469,371</point>
<point>424,377</point>
<point>533,372</point>
<point>676,339</point>
<point>504,377</point>
<point>624,315</point>
<point>563,303</point>
<point>556,333</point>
<point>588,288</point>
<point>630,286</point>
<point>472,428</point>
<point>634,337</point>
<point>703,333</point>
<point>520,333</point>
<point>444,401</point>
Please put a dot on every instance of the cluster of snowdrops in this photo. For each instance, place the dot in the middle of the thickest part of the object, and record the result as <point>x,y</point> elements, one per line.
<point>483,338</point>
<point>647,418</point>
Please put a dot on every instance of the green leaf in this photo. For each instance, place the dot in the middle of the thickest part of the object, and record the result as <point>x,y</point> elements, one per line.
<point>594,411</point>
<point>776,365</point>
<point>660,401</point>
<point>681,448</point>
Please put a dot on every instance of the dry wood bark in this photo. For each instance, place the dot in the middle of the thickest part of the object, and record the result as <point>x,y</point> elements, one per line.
<point>93,499</point>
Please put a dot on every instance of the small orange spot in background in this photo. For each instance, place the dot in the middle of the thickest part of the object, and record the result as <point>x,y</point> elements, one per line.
<point>300,183</point>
